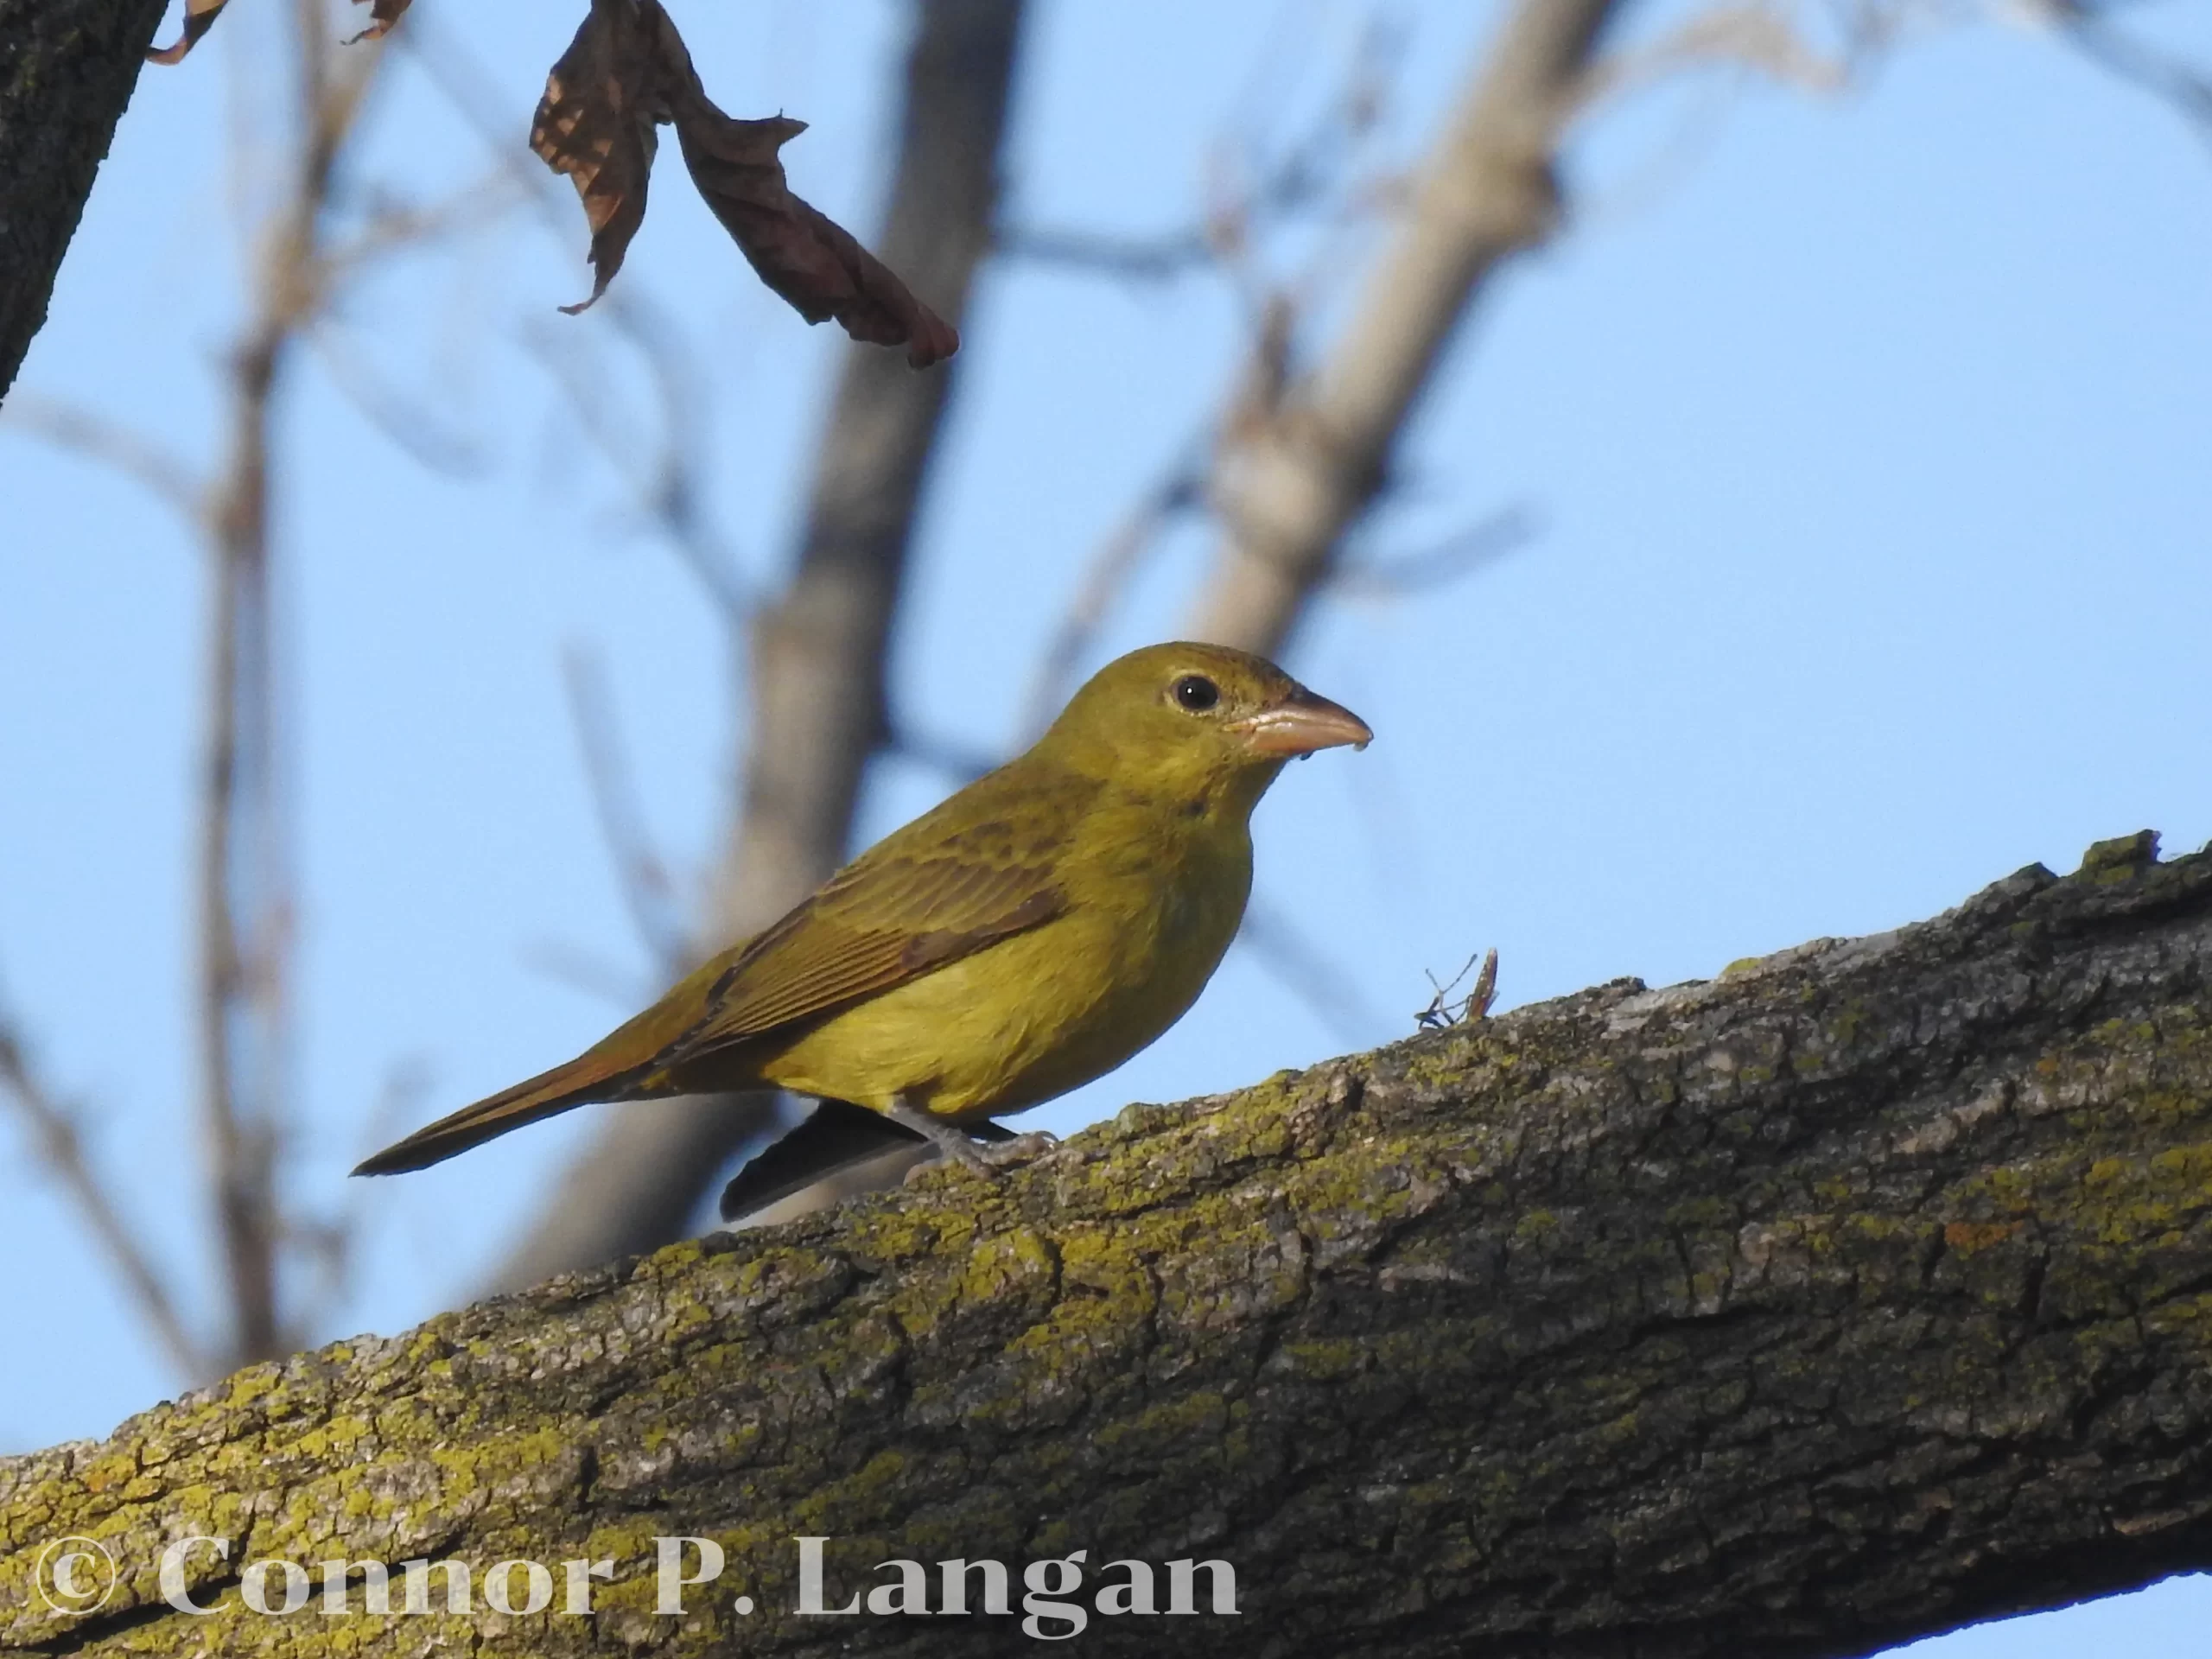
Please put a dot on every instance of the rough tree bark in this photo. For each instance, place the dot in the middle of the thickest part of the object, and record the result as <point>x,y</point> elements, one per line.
<point>1862,1292</point>
<point>819,655</point>
<point>67,68</point>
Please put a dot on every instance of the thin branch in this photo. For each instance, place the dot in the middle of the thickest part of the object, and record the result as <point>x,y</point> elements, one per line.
<point>568,963</point>
<point>640,871</point>
<point>673,488</point>
<point>334,1246</point>
<point>1307,970</point>
<point>1136,258</point>
<point>1290,487</point>
<point>410,424</point>
<point>962,763</point>
<point>2170,78</point>
<point>243,877</point>
<point>1111,569</point>
<point>397,227</point>
<point>668,488</point>
<point>1461,553</point>
<point>1302,177</point>
<point>1761,38</point>
<point>58,1140</point>
<point>95,437</point>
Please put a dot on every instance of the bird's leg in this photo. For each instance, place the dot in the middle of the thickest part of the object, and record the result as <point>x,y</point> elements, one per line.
<point>949,1138</point>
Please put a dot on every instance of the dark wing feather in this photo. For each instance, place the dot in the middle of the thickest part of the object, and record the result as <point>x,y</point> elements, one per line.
<point>833,1136</point>
<point>980,868</point>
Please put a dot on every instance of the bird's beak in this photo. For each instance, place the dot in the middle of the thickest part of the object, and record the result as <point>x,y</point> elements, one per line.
<point>1299,724</point>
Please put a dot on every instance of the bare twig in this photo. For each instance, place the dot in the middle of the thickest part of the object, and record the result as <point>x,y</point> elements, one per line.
<point>640,871</point>
<point>245,905</point>
<point>1760,37</point>
<point>1304,175</point>
<point>394,225</point>
<point>670,487</point>
<point>1112,567</point>
<point>1306,970</point>
<point>2165,76</point>
<point>410,424</point>
<point>1291,487</point>
<point>1485,542</point>
<point>58,1138</point>
<point>331,1247</point>
<point>580,968</point>
<point>66,426</point>
<point>1136,258</point>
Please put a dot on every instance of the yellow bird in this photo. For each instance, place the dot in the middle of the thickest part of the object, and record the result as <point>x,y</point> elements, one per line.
<point>1027,935</point>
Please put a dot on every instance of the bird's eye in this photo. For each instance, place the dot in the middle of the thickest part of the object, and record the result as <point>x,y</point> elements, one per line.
<point>1196,693</point>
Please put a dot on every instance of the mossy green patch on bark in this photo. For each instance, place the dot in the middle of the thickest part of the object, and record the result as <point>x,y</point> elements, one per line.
<point>1863,1290</point>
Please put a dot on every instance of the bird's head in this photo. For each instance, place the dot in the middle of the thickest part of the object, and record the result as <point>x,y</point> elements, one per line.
<point>1197,719</point>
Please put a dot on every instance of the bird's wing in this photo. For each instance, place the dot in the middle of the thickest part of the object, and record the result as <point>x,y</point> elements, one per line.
<point>983,865</point>
<point>947,885</point>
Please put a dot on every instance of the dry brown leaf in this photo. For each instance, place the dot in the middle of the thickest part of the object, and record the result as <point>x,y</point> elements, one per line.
<point>595,123</point>
<point>199,17</point>
<point>383,14</point>
<point>627,70</point>
<point>800,253</point>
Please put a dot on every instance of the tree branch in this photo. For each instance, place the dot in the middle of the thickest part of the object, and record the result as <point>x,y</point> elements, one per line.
<point>67,68</point>
<point>242,873</point>
<point>85,433</point>
<point>639,871</point>
<point>1289,486</point>
<point>1853,1295</point>
<point>58,1138</point>
<point>1111,569</point>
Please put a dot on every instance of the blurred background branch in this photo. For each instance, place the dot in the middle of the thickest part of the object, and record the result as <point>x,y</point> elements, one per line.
<point>272,1256</point>
<point>1296,470</point>
<point>58,1139</point>
<point>816,658</point>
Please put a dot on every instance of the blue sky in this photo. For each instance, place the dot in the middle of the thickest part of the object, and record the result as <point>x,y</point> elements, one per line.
<point>1863,434</point>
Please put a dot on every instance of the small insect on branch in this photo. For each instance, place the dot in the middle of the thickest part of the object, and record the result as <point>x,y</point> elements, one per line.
<point>1442,1011</point>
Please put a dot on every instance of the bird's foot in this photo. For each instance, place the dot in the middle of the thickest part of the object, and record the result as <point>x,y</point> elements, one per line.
<point>999,1154</point>
<point>950,1139</point>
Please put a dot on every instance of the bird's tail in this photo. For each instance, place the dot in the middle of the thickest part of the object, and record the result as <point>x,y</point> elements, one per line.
<point>584,1079</point>
<point>624,1065</point>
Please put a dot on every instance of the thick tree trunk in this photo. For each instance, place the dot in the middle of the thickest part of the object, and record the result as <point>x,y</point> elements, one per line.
<point>67,68</point>
<point>1859,1292</point>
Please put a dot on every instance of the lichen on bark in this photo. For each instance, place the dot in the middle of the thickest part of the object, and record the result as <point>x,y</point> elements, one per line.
<point>1859,1292</point>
